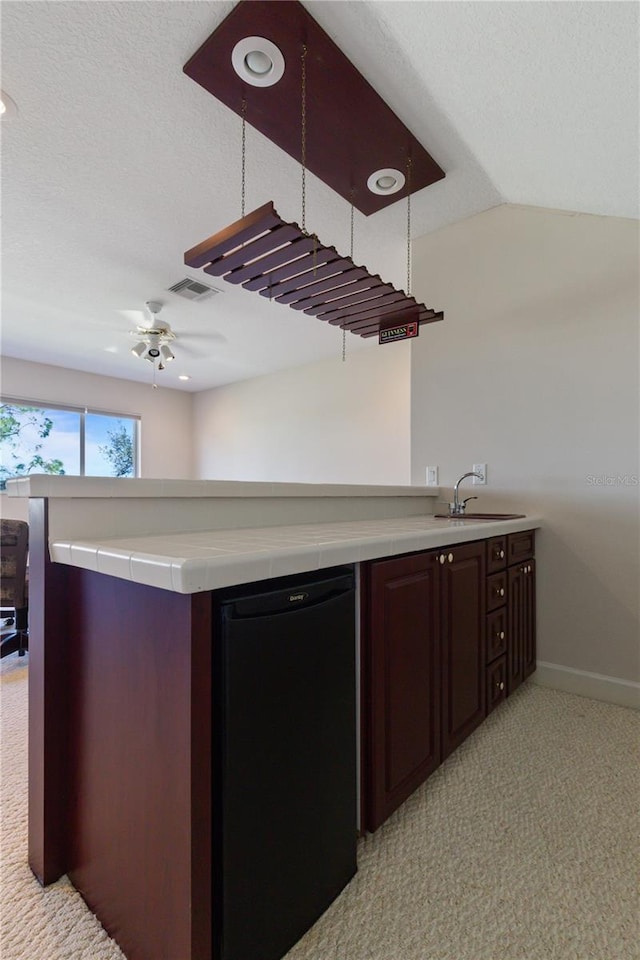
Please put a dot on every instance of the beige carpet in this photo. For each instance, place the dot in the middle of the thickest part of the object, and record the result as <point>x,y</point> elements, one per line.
<point>523,846</point>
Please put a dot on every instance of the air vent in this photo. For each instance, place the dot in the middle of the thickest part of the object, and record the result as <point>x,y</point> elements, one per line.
<point>193,289</point>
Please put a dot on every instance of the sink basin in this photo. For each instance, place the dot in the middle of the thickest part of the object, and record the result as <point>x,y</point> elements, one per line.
<point>482,516</point>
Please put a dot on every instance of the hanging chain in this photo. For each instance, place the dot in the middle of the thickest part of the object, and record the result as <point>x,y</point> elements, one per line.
<point>409,226</point>
<point>351,236</point>
<point>344,329</point>
<point>303,151</point>
<point>244,149</point>
<point>304,133</point>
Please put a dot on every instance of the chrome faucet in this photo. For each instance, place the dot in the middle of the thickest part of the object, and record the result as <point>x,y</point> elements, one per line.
<point>456,509</point>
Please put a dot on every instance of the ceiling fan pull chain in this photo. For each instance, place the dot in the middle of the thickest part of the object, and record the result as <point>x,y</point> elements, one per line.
<point>244,151</point>
<point>303,97</point>
<point>408,225</point>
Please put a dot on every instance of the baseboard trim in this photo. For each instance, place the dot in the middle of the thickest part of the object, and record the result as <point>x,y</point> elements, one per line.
<point>624,693</point>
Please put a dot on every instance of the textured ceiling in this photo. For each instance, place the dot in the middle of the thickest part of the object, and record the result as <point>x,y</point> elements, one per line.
<point>117,162</point>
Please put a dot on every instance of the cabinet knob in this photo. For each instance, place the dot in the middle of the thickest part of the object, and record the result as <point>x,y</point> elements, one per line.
<point>501,684</point>
<point>442,558</point>
<point>502,634</point>
<point>450,558</point>
<point>501,591</point>
<point>502,554</point>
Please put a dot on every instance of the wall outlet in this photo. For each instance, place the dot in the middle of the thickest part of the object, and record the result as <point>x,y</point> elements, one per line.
<point>432,476</point>
<point>482,469</point>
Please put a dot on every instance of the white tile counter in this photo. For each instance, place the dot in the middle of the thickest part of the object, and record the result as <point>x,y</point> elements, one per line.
<point>206,560</point>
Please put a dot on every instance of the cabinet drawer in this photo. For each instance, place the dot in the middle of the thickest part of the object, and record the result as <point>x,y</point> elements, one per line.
<point>496,590</point>
<point>496,634</point>
<point>520,546</point>
<point>496,683</point>
<point>496,554</point>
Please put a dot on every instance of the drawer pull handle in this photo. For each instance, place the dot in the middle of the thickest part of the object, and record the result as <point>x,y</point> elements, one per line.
<point>502,554</point>
<point>450,558</point>
<point>501,591</point>
<point>502,634</point>
<point>442,558</point>
<point>501,684</point>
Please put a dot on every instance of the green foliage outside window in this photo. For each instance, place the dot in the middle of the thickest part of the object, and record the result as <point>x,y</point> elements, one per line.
<point>119,451</point>
<point>59,440</point>
<point>14,420</point>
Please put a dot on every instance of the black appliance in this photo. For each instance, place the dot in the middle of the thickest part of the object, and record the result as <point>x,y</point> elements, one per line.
<point>284,759</point>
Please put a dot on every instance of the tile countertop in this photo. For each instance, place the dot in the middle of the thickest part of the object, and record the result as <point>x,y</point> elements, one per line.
<point>196,562</point>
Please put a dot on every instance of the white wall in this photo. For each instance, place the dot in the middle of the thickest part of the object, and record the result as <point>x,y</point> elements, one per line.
<point>325,422</point>
<point>166,437</point>
<point>535,372</point>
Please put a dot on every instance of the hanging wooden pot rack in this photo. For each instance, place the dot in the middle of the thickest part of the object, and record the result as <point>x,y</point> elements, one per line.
<point>281,262</point>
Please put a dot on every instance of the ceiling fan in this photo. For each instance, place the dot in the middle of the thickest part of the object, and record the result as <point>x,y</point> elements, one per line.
<point>154,338</point>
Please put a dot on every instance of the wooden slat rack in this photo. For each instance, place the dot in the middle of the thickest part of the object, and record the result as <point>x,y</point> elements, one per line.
<point>279,261</point>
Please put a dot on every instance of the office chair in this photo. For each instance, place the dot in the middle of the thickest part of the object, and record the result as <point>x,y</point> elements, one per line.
<point>14,585</point>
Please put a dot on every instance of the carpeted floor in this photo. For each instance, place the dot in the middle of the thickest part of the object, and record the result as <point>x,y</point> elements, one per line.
<point>523,846</point>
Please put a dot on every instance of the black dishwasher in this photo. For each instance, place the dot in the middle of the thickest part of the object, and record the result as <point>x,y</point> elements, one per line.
<point>285,759</point>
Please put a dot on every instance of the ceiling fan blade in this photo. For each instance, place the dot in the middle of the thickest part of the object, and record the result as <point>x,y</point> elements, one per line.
<point>178,347</point>
<point>212,337</point>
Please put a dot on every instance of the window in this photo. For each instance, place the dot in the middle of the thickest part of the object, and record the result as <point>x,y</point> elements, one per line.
<point>63,440</point>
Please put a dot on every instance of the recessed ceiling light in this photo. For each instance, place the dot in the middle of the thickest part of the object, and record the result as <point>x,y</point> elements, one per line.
<point>386,181</point>
<point>110,349</point>
<point>183,376</point>
<point>8,109</point>
<point>257,61</point>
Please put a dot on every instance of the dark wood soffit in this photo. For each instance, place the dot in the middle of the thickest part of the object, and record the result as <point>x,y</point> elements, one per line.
<point>251,251</point>
<point>351,132</point>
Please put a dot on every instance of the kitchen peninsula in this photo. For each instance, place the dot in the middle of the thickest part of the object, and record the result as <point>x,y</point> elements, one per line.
<point>121,633</point>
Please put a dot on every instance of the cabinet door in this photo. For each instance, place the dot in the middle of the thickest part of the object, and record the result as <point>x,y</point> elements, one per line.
<point>517,627</point>
<point>463,642</point>
<point>401,670</point>
<point>529,619</point>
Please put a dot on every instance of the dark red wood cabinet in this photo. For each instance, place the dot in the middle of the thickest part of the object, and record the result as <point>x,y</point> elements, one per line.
<point>462,592</point>
<point>423,668</point>
<point>511,621</point>
<point>521,650</point>
<point>401,680</point>
<point>447,635</point>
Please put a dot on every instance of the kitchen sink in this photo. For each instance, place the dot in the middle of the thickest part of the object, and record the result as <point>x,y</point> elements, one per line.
<point>481,516</point>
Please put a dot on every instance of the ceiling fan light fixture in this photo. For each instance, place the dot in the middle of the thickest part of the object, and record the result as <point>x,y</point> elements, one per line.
<point>166,353</point>
<point>257,61</point>
<point>386,181</point>
<point>139,349</point>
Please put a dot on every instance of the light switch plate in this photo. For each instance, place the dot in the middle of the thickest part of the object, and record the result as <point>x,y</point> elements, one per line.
<point>480,468</point>
<point>432,476</point>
